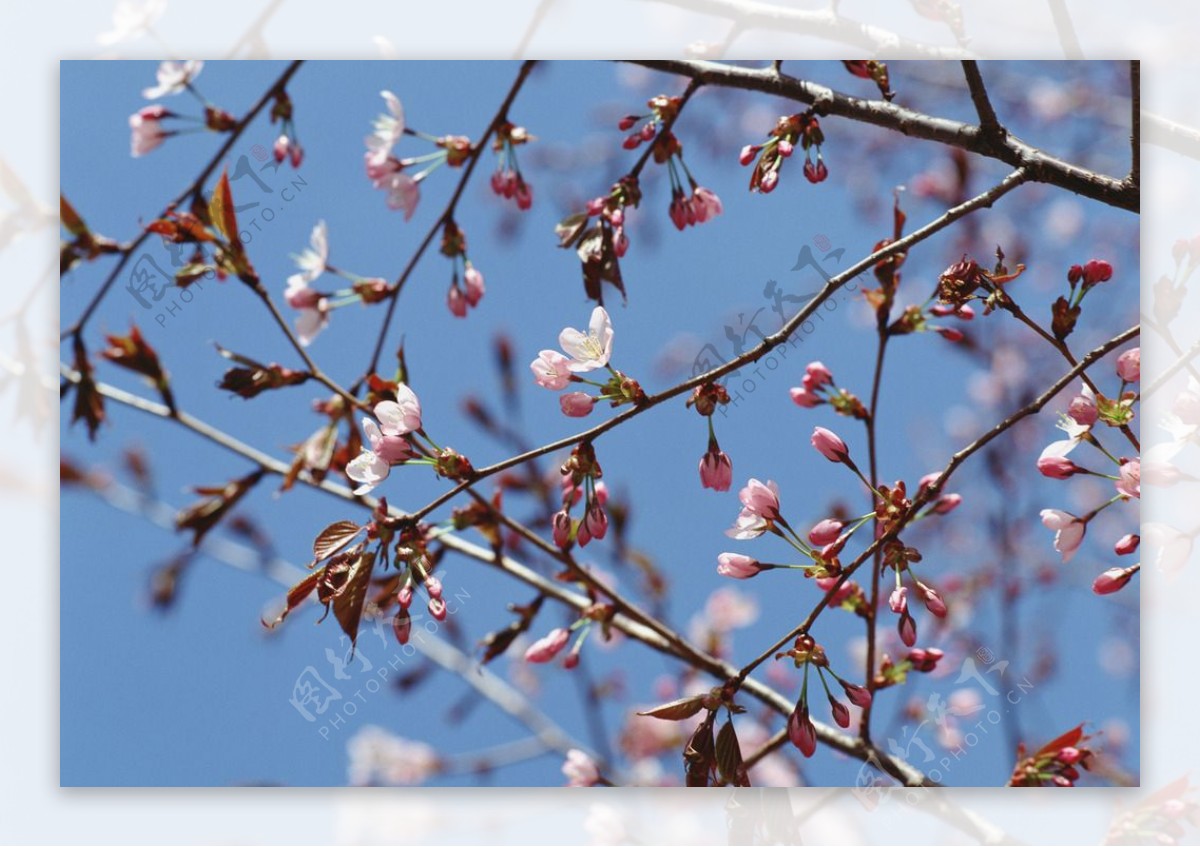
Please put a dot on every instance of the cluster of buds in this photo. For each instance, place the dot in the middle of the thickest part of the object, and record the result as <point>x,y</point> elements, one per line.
<point>921,319</point>
<point>601,245</point>
<point>806,653</point>
<point>133,353</point>
<point>716,468</point>
<point>466,296</point>
<point>313,305</point>
<point>549,646</point>
<point>287,145</point>
<point>419,575</point>
<point>1056,765</point>
<point>1082,278</point>
<point>803,129</point>
<point>966,280</point>
<point>581,481</point>
<point>585,351</point>
<point>917,660</point>
<point>900,559</point>
<point>818,387</point>
<point>663,110</point>
<point>507,181</point>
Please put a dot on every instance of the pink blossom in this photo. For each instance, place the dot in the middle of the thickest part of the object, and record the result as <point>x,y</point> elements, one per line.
<point>368,469</point>
<point>1083,408</point>
<point>761,499</point>
<point>403,192</point>
<point>311,321</point>
<point>819,375</point>
<point>473,285</point>
<point>437,608</point>
<point>389,128</point>
<point>402,415</point>
<point>393,449</point>
<point>728,609</point>
<point>829,445</point>
<point>785,148</point>
<point>706,203</point>
<point>577,404</point>
<point>716,470</point>
<point>825,532</point>
<point>1068,531</point>
<point>590,350</point>
<point>173,77</point>
<point>925,659</point>
<point>378,757</point>
<point>737,566</point>
<point>548,646</point>
<point>312,262</point>
<point>947,503</point>
<point>898,601</point>
<point>550,370</point>
<point>1129,365</point>
<point>580,769</point>
<point>1057,467</point>
<point>747,525</point>
<point>1113,580</point>
<point>147,133</point>
<point>1129,478</point>
<point>594,525</point>
<point>455,301</point>
<point>1127,544</point>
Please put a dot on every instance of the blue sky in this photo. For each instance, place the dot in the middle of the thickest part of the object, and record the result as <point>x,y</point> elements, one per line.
<point>199,696</point>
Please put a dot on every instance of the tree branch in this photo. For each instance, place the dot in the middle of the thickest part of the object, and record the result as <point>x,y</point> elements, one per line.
<point>1041,167</point>
<point>988,121</point>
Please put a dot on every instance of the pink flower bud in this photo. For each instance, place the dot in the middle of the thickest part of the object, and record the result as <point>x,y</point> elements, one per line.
<point>434,586</point>
<point>473,286</point>
<point>858,695</point>
<point>402,627</point>
<point>1113,580</point>
<point>716,470</point>
<point>934,602</point>
<point>801,731</point>
<point>405,597</point>
<point>437,608</point>
<point>825,532</point>
<point>908,629</point>
<point>631,141</point>
<point>1069,755</point>
<point>1057,467</point>
<point>829,445</point>
<point>1129,365</point>
<point>562,529</point>
<point>548,646</point>
<point>785,148</point>
<point>841,715</point>
<point>296,154</point>
<point>925,660</point>
<point>947,503</point>
<point>805,399</point>
<point>768,182</point>
<point>626,123</point>
<point>596,522</point>
<point>456,301</point>
<point>737,566</point>
<point>577,404</point>
<point>1127,544</point>
<point>647,131</point>
<point>281,148</point>
<point>748,153</point>
<point>898,601</point>
<point>1096,271</point>
<point>950,333</point>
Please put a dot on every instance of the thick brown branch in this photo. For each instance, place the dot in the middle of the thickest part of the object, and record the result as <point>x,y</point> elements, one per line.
<point>1040,166</point>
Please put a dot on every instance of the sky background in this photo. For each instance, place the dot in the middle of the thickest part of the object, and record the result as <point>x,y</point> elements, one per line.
<point>199,696</point>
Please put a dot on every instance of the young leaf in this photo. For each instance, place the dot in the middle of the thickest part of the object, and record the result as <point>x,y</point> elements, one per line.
<point>221,211</point>
<point>348,603</point>
<point>729,757</point>
<point>70,218</point>
<point>295,596</point>
<point>333,538</point>
<point>676,710</point>
<point>1068,739</point>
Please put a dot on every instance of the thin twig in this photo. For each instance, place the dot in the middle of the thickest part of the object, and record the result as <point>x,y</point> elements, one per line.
<point>984,200</point>
<point>1135,132</point>
<point>988,122</point>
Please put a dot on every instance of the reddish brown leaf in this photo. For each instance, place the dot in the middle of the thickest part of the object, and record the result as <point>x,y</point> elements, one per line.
<point>333,538</point>
<point>1068,739</point>
<point>296,595</point>
<point>222,212</point>
<point>676,710</point>
<point>348,603</point>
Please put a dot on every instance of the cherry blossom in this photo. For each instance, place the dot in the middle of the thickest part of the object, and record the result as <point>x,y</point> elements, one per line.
<point>388,128</point>
<point>550,370</point>
<point>1068,531</point>
<point>716,470</point>
<point>402,416</point>
<point>1129,365</point>
<point>548,646</point>
<point>1129,479</point>
<point>131,20</point>
<point>829,445</point>
<point>368,469</point>
<point>580,769</point>
<point>577,404</point>
<point>147,131</point>
<point>173,77</point>
<point>590,350</point>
